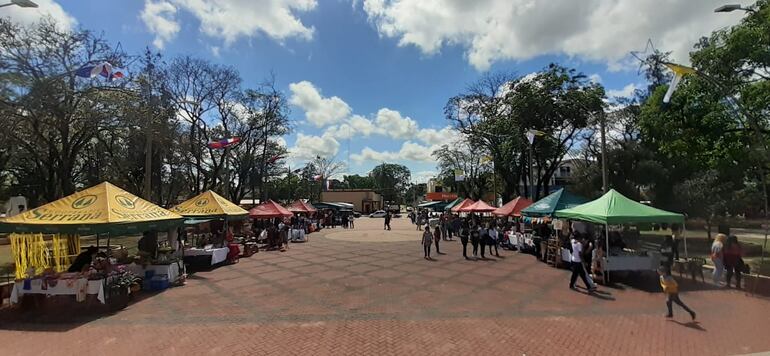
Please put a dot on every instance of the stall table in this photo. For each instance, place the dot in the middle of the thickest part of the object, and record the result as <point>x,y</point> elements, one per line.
<point>203,256</point>
<point>78,287</point>
<point>650,262</point>
<point>171,270</point>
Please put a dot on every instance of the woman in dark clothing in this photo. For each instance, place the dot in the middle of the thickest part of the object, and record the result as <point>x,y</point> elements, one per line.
<point>464,234</point>
<point>474,233</point>
<point>733,260</point>
<point>483,238</point>
<point>83,260</point>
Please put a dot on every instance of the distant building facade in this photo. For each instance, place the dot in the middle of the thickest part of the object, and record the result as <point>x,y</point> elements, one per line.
<point>364,200</point>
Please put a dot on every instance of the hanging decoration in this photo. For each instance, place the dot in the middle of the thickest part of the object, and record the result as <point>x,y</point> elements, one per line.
<point>679,72</point>
<point>224,143</point>
<point>30,254</point>
<point>103,69</point>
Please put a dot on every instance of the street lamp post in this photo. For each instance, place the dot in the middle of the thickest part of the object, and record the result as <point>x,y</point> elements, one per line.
<point>754,125</point>
<point>20,3</point>
<point>603,123</point>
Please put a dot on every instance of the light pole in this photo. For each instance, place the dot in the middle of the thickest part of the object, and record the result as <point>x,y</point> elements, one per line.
<point>733,7</point>
<point>757,136</point>
<point>602,124</point>
<point>20,3</point>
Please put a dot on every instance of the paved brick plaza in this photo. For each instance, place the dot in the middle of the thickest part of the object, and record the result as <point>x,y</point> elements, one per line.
<point>342,296</point>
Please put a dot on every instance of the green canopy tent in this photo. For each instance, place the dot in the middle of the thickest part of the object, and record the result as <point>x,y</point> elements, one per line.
<point>452,204</point>
<point>558,200</point>
<point>613,208</point>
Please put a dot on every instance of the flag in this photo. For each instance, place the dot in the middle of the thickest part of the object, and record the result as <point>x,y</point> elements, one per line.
<point>531,135</point>
<point>104,69</point>
<point>459,175</point>
<point>274,158</point>
<point>224,143</point>
<point>317,177</point>
<point>679,73</point>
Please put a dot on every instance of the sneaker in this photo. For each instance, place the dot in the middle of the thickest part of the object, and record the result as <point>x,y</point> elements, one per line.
<point>572,287</point>
<point>692,314</point>
<point>669,316</point>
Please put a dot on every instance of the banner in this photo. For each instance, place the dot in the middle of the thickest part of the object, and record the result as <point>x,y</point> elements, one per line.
<point>459,175</point>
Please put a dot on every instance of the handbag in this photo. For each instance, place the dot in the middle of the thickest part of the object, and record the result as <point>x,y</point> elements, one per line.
<point>743,267</point>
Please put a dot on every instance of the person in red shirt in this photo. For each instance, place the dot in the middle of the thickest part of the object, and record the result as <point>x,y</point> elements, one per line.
<point>733,259</point>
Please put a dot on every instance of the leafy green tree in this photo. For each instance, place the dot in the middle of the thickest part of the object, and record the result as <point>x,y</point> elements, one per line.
<point>356,181</point>
<point>392,181</point>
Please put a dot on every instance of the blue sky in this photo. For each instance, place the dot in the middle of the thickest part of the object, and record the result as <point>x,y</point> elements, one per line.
<point>382,70</point>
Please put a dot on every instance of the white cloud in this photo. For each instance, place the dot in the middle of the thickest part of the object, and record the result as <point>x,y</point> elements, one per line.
<point>392,124</point>
<point>423,176</point>
<point>409,151</point>
<point>28,16</point>
<point>160,19</point>
<point>230,20</point>
<point>319,111</point>
<point>626,92</point>
<point>435,137</point>
<point>308,147</point>
<point>495,30</point>
<point>595,78</point>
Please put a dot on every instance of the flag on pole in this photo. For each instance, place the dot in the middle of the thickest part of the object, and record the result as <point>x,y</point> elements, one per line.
<point>317,177</point>
<point>679,72</point>
<point>103,69</point>
<point>224,143</point>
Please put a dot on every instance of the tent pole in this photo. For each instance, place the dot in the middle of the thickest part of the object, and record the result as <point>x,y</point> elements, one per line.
<point>607,252</point>
<point>684,236</point>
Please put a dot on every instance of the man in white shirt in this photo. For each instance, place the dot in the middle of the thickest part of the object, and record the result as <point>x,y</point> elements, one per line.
<point>576,264</point>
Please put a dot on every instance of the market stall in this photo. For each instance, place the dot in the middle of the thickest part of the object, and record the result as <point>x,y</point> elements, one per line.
<point>615,209</point>
<point>456,208</point>
<point>452,204</point>
<point>269,213</point>
<point>101,210</point>
<point>540,217</point>
<point>208,250</point>
<point>513,208</point>
<point>302,224</point>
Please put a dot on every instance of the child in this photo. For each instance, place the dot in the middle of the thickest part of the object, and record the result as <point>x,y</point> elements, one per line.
<point>427,239</point>
<point>671,288</point>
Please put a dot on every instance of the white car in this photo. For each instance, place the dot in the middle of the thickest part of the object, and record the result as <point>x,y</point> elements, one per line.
<point>378,214</point>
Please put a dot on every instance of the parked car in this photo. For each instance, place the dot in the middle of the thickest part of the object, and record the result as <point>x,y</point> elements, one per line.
<point>356,214</point>
<point>378,214</point>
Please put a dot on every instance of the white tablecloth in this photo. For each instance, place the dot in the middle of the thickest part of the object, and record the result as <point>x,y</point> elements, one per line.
<point>217,254</point>
<point>63,287</point>
<point>171,270</point>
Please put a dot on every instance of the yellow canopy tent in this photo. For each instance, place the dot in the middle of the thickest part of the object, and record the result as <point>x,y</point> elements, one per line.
<point>210,205</point>
<point>103,208</point>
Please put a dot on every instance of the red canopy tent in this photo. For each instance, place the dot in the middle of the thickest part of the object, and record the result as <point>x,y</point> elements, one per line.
<point>268,210</point>
<point>513,207</point>
<point>477,207</point>
<point>463,204</point>
<point>301,207</point>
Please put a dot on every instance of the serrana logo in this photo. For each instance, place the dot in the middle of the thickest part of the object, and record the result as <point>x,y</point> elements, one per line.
<point>84,202</point>
<point>202,202</point>
<point>125,202</point>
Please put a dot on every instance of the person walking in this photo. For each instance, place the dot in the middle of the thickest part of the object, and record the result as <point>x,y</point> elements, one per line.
<point>437,238</point>
<point>456,225</point>
<point>474,234</point>
<point>387,221</point>
<point>576,264</point>
<point>464,232</point>
<point>444,223</point>
<point>427,239</point>
<point>351,221</point>
<point>733,258</point>
<point>419,221</point>
<point>483,239</point>
<point>493,239</point>
<point>671,289</point>
<point>717,257</point>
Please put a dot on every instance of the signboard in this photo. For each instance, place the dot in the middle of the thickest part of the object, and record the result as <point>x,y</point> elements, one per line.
<point>439,196</point>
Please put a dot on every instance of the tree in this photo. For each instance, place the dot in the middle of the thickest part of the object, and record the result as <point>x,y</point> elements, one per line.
<point>473,163</point>
<point>392,181</point>
<point>356,181</point>
<point>497,112</point>
<point>705,196</point>
<point>50,115</point>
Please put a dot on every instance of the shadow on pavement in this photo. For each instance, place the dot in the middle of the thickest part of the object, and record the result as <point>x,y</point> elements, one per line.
<point>691,324</point>
<point>58,313</point>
